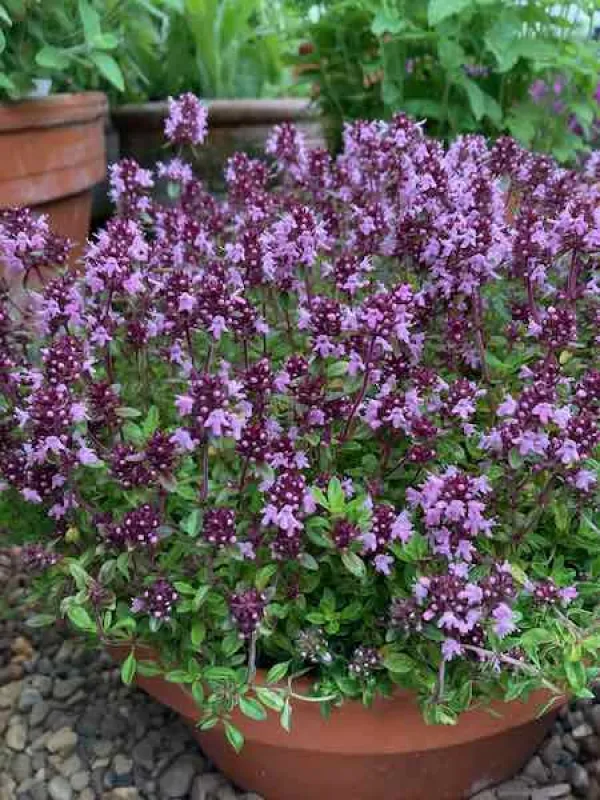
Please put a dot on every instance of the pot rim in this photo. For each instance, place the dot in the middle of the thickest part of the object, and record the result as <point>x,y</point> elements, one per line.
<point>222,112</point>
<point>53,111</point>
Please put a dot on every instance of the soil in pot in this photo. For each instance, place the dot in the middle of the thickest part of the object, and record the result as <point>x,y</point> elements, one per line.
<point>51,155</point>
<point>233,125</point>
<point>385,752</point>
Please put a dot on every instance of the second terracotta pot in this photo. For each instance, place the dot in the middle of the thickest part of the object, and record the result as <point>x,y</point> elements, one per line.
<point>385,752</point>
<point>233,125</point>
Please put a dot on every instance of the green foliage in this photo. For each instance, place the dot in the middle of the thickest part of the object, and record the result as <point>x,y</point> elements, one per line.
<point>463,65</point>
<point>218,49</point>
<point>76,44</point>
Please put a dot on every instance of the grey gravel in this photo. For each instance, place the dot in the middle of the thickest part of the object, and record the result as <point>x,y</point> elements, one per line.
<point>59,788</point>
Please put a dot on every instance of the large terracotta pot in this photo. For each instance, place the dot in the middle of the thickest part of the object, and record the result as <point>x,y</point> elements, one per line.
<point>233,125</point>
<point>51,155</point>
<point>385,752</point>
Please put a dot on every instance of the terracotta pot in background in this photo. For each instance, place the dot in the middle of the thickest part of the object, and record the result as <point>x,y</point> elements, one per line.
<point>232,124</point>
<point>51,155</point>
<point>385,752</point>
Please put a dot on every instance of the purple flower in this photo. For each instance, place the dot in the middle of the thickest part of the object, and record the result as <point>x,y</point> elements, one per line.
<point>247,609</point>
<point>157,600</point>
<point>504,622</point>
<point>538,90</point>
<point>187,120</point>
<point>451,649</point>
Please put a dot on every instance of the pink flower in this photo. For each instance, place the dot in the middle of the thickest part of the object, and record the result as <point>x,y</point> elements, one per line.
<point>187,120</point>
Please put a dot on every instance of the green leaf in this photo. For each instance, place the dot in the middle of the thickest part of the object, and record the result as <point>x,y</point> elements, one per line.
<point>2,41</point>
<point>231,644</point>
<point>385,21</point>
<point>52,58</point>
<point>336,498</point>
<point>198,693</point>
<point>535,637</point>
<point>522,127</point>
<point>81,619</point>
<point>234,736</point>
<point>354,564</point>
<point>576,675</point>
<point>452,56</point>
<point>112,72</point>
<point>106,41</point>
<point>184,588</point>
<point>200,597</point>
<point>198,633</point>
<point>40,620</point>
<point>128,668</point>
<point>148,669</point>
<point>90,21</point>
<point>308,562</point>
<point>150,424</point>
<point>178,676</point>
<point>252,708</point>
<point>264,575</point>
<point>278,672</point>
<point>125,412</point>
<point>398,663</point>
<point>286,716</point>
<point>220,674</point>
<point>79,575</point>
<point>5,16</point>
<point>269,698</point>
<point>439,10</point>
<point>191,523</point>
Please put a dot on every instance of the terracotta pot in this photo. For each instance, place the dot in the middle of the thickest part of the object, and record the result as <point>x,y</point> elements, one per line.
<point>233,125</point>
<point>51,155</point>
<point>385,752</point>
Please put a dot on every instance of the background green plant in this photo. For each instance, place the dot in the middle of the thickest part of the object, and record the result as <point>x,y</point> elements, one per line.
<point>358,51</point>
<point>220,48</point>
<point>77,44</point>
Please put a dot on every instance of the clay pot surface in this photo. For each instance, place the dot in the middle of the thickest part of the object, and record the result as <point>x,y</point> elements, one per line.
<point>233,125</point>
<point>385,752</point>
<point>51,155</point>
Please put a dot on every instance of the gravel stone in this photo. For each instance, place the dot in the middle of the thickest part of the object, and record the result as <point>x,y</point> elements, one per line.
<point>122,765</point>
<point>29,698</point>
<point>177,779</point>
<point>70,765</point>
<point>205,786</point>
<point>143,754</point>
<point>39,712</point>
<point>554,792</point>
<point>537,771</point>
<point>39,791</point>
<point>581,731</point>
<point>16,736</point>
<point>63,741</point>
<point>579,779</point>
<point>65,688</point>
<point>59,788</point>
<point>80,780</point>
<point>21,767</point>
<point>10,693</point>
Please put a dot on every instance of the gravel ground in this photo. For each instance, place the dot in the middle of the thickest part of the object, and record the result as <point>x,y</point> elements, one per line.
<point>69,730</point>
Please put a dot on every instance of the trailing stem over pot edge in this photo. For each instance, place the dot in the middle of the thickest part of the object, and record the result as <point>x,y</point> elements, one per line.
<point>344,421</point>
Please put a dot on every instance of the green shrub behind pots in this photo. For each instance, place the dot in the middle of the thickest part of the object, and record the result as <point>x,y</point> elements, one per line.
<point>529,69</point>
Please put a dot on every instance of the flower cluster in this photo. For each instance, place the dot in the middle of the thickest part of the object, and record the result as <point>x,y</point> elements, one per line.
<point>346,418</point>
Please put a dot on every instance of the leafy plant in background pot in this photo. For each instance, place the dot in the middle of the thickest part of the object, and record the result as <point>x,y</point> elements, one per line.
<point>75,45</point>
<point>529,69</point>
<point>332,441</point>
